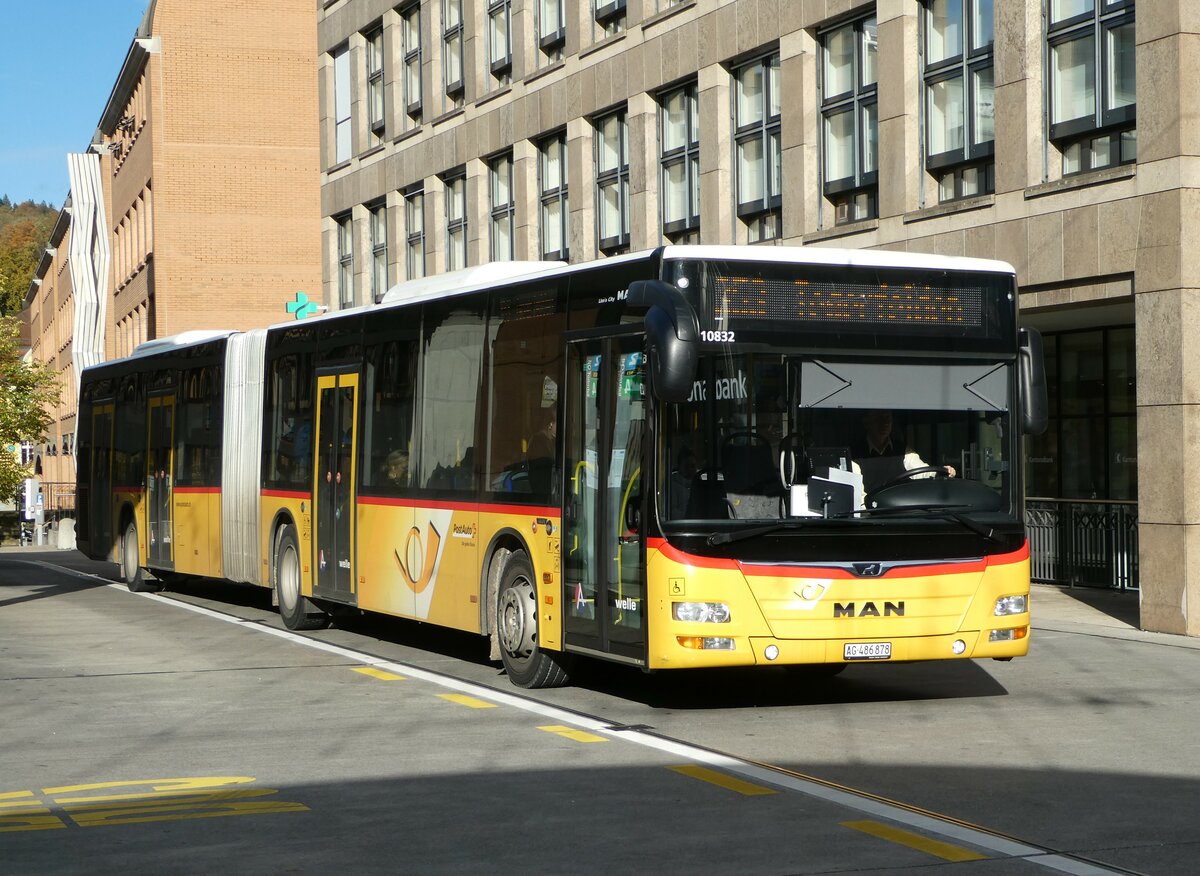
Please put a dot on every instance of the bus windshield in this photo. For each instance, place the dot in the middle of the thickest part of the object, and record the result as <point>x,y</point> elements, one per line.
<point>775,435</point>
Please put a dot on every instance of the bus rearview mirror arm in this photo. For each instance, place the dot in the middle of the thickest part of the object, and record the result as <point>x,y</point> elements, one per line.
<point>672,335</point>
<point>1031,368</point>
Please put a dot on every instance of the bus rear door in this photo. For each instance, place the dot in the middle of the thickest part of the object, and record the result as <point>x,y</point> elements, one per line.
<point>160,464</point>
<point>603,543</point>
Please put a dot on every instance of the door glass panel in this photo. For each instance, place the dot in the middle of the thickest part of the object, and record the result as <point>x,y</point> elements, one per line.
<point>325,497</point>
<point>582,523</point>
<point>158,481</point>
<point>624,540</point>
<point>343,481</point>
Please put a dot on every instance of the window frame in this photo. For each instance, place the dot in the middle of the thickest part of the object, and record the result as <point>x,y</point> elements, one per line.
<point>965,65</point>
<point>763,215</point>
<point>1082,132</point>
<point>345,259</point>
<point>551,42</point>
<point>617,176</point>
<point>343,112</point>
<point>501,67</point>
<point>374,58</point>
<point>414,206</point>
<point>558,194</point>
<point>687,154</point>
<point>862,97</point>
<point>377,223</point>
<point>410,30</point>
<point>454,33</point>
<point>455,225</point>
<point>502,212</point>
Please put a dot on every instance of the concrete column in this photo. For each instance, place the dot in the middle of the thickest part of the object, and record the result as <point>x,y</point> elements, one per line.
<point>395,238</point>
<point>798,135</point>
<point>1019,98</point>
<point>361,236</point>
<point>645,227</point>
<point>717,219</point>
<point>581,171</point>
<point>526,243</point>
<point>899,154</point>
<point>435,226</point>
<point>479,206</point>
<point>359,134</point>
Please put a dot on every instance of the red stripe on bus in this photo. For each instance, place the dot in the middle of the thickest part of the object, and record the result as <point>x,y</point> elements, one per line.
<point>197,489</point>
<point>285,494</point>
<point>933,568</point>
<point>438,505</point>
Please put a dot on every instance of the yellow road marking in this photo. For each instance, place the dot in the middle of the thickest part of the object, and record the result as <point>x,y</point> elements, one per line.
<point>379,673</point>
<point>464,700</point>
<point>572,733</point>
<point>938,849</point>
<point>704,774</point>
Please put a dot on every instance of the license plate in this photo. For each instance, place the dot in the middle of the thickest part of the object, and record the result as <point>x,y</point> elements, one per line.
<point>867,651</point>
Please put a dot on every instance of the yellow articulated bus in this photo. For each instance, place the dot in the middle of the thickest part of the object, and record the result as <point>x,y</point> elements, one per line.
<point>691,457</point>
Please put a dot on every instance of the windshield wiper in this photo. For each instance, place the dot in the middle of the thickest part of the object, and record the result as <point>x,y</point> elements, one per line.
<point>754,532</point>
<point>945,512</point>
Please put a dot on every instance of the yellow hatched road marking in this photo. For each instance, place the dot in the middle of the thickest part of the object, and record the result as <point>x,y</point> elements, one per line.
<point>464,700</point>
<point>938,849</point>
<point>704,774</point>
<point>572,733</point>
<point>379,673</point>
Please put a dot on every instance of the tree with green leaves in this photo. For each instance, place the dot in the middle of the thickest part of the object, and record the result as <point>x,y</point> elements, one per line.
<point>24,233</point>
<point>28,392</point>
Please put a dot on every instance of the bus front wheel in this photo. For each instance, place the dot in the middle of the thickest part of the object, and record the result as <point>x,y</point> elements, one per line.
<point>527,664</point>
<point>297,611</point>
<point>132,573</point>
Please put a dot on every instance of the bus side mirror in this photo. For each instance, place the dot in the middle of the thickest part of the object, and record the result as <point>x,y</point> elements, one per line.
<point>1031,367</point>
<point>672,336</point>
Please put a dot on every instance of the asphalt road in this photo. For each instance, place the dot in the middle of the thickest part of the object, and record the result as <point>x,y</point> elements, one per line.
<point>189,731</point>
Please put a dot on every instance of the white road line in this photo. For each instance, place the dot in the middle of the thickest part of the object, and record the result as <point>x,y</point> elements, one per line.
<point>981,839</point>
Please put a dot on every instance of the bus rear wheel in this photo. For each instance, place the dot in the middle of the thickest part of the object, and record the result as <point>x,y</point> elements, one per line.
<point>297,611</point>
<point>527,664</point>
<point>132,573</point>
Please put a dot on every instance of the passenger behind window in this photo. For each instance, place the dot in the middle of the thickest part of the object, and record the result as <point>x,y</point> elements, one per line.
<point>395,468</point>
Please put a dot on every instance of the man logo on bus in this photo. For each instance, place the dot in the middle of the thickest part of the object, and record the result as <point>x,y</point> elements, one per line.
<point>417,556</point>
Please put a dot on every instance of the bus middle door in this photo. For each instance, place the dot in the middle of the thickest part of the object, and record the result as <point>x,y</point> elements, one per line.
<point>603,544</point>
<point>334,496</point>
<point>160,467</point>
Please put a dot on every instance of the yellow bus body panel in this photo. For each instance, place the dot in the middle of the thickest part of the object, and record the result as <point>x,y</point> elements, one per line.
<point>196,527</point>
<point>810,617</point>
<point>425,561</point>
<point>297,506</point>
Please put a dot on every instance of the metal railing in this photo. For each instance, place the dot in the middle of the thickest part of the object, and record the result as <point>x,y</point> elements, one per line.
<point>1083,543</point>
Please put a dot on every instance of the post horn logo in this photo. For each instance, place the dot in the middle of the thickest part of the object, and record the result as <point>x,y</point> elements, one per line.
<point>418,556</point>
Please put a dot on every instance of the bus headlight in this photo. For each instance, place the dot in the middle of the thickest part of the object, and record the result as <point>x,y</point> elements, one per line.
<point>1007,605</point>
<point>700,612</point>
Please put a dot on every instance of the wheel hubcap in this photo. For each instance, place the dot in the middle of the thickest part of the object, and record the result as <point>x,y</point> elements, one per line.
<point>518,623</point>
<point>289,578</point>
<point>130,555</point>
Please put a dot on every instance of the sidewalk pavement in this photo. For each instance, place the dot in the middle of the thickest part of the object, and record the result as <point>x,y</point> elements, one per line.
<point>1084,610</point>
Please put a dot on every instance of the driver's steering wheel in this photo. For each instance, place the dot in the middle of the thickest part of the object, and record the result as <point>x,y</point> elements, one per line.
<point>936,470</point>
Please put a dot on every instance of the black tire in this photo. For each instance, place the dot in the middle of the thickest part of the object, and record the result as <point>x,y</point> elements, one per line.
<point>527,665</point>
<point>298,612</point>
<point>132,573</point>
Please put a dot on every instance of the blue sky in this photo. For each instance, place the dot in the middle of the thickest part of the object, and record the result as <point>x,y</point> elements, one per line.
<point>58,66</point>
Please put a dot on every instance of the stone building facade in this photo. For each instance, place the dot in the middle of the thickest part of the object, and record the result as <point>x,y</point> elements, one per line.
<point>1057,135</point>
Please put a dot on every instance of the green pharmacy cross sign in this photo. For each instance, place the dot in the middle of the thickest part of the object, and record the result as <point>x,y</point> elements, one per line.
<point>302,307</point>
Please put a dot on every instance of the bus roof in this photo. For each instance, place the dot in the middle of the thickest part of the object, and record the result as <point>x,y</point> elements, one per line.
<point>179,341</point>
<point>484,275</point>
<point>821,255</point>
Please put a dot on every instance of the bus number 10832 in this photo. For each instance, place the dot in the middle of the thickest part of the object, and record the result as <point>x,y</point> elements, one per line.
<point>717,337</point>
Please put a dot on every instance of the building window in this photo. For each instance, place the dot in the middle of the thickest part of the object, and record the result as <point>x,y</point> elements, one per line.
<point>552,188</point>
<point>959,97</point>
<point>610,15</point>
<point>345,249</point>
<point>679,119</point>
<point>379,251</point>
<point>452,47</point>
<point>410,29</point>
<point>1089,448</point>
<point>456,221</point>
<point>757,107</point>
<point>1092,83</point>
<point>414,231</point>
<point>612,182</point>
<point>500,39</point>
<point>500,171</point>
<point>375,85</point>
<point>850,119</point>
<point>341,106</point>
<point>551,28</point>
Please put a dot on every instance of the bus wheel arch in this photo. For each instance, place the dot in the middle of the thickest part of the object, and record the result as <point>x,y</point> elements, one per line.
<point>128,555</point>
<point>526,663</point>
<point>297,611</point>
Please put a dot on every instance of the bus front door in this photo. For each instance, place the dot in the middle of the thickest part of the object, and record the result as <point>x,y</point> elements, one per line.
<point>334,497</point>
<point>603,545</point>
<point>160,463</point>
